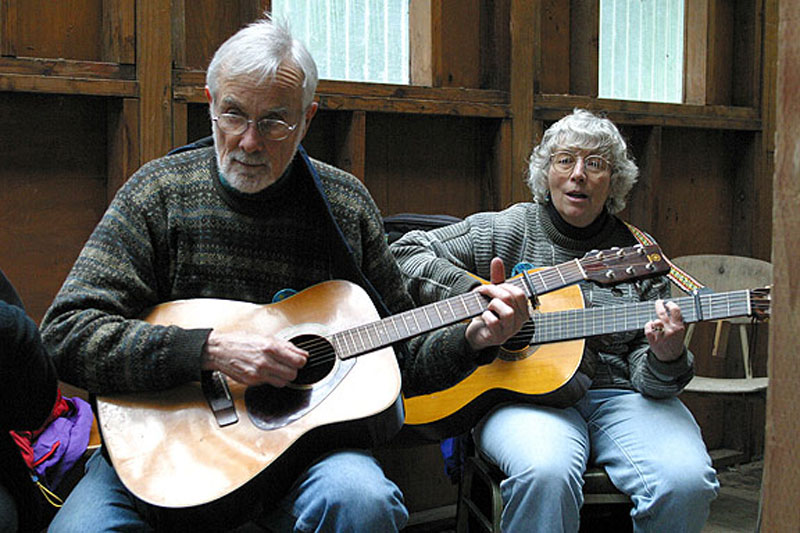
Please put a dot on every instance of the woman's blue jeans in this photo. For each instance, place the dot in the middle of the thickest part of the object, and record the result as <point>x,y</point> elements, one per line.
<point>651,448</point>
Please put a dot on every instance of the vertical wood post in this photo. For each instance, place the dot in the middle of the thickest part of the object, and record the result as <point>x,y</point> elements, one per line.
<point>782,458</point>
<point>154,73</point>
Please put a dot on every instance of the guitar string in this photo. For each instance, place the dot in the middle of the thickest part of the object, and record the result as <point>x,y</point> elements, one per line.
<point>328,353</point>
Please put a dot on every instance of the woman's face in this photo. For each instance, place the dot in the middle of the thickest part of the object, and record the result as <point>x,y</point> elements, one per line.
<point>579,183</point>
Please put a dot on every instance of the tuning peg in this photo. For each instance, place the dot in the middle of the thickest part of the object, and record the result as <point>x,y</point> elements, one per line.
<point>650,266</point>
<point>610,274</point>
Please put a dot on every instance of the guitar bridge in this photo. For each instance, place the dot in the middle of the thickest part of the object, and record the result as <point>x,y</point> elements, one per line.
<point>218,396</point>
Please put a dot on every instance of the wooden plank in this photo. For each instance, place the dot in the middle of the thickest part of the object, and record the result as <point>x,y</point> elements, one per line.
<point>71,30</point>
<point>208,24</point>
<point>460,59</point>
<point>695,46</point>
<point>66,85</point>
<point>526,67</point>
<point>178,34</point>
<point>119,17</point>
<point>8,27</point>
<point>720,61</point>
<point>421,41</point>
<point>643,204</point>
<point>154,64</point>
<point>350,142</point>
<point>553,107</point>
<point>555,47</point>
<point>67,68</point>
<point>423,164</point>
<point>52,193</point>
<point>495,48</point>
<point>180,124</point>
<point>584,43</point>
<point>123,143</point>
<point>500,167</point>
<point>782,459</point>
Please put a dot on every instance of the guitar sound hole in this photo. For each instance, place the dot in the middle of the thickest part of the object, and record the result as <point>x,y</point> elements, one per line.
<point>321,359</point>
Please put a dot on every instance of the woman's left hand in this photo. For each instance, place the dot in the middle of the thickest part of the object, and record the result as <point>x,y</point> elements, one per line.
<point>666,332</point>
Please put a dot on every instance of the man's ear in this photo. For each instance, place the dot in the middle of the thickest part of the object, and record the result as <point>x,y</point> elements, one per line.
<point>311,110</point>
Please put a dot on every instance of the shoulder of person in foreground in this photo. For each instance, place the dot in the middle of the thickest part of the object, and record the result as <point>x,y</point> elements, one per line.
<point>29,394</point>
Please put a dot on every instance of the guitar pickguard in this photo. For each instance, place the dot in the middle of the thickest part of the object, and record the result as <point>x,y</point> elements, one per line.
<point>271,408</point>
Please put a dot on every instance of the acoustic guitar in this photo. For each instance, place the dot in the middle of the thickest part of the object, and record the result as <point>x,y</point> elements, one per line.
<point>199,442</point>
<point>544,373</point>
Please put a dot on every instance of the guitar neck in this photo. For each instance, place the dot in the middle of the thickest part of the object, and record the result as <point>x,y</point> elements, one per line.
<point>369,337</point>
<point>580,323</point>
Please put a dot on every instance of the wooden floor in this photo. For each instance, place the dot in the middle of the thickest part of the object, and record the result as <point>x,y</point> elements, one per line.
<point>736,508</point>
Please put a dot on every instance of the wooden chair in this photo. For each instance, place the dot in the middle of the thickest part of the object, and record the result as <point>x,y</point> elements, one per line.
<point>728,273</point>
<point>480,503</point>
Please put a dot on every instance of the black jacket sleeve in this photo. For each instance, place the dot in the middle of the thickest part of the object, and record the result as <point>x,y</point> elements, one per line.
<point>27,374</point>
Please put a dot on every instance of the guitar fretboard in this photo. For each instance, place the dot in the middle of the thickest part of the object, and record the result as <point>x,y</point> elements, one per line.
<point>370,337</point>
<point>608,266</point>
<point>581,323</point>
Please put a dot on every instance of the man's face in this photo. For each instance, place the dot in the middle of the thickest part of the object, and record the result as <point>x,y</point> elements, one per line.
<point>249,161</point>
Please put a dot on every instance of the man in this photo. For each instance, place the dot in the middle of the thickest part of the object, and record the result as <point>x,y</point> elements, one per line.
<point>247,220</point>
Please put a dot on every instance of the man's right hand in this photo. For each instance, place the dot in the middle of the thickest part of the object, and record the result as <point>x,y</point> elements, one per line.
<point>253,359</point>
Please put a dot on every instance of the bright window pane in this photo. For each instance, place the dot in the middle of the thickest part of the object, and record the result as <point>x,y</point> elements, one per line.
<point>641,50</point>
<point>356,40</point>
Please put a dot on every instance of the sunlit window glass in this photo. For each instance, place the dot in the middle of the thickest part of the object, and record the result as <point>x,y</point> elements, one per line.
<point>355,40</point>
<point>641,50</point>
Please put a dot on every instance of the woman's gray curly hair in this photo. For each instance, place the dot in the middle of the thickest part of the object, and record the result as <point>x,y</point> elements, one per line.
<point>583,130</point>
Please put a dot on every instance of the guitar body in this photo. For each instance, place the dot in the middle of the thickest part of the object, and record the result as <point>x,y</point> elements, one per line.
<point>544,374</point>
<point>169,450</point>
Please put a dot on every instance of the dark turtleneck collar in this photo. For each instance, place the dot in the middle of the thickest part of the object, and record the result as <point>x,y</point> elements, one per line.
<point>573,232</point>
<point>604,232</point>
<point>254,203</point>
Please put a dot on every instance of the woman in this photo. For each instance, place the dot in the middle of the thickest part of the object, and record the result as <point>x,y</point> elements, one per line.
<point>630,421</point>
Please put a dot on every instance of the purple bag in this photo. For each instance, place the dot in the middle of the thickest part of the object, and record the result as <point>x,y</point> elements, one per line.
<point>62,443</point>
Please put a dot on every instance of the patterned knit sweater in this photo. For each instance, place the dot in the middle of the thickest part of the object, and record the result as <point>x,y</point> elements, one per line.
<point>435,262</point>
<point>173,232</point>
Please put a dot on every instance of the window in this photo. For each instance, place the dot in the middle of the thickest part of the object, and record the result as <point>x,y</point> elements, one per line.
<point>356,40</point>
<point>641,50</point>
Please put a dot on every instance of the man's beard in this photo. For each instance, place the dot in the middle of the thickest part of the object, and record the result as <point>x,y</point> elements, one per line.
<point>238,176</point>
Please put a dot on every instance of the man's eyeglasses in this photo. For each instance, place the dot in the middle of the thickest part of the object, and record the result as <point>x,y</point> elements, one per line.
<point>564,162</point>
<point>269,128</point>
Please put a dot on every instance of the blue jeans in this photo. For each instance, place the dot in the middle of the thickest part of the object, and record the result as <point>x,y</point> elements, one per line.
<point>652,450</point>
<point>8,511</point>
<point>344,491</point>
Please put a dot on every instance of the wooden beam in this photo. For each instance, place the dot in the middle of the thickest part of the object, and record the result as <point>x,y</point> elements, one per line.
<point>553,107</point>
<point>584,47</point>
<point>154,69</point>
<point>35,83</point>
<point>695,50</point>
<point>526,67</point>
<point>119,18</point>
<point>423,46</point>
<point>8,27</point>
<point>782,458</point>
<point>351,145</point>
<point>123,143</point>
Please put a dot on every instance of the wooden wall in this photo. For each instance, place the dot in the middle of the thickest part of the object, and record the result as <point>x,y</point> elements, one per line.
<point>91,89</point>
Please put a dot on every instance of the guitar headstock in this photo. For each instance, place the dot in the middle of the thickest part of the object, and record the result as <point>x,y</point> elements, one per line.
<point>615,265</point>
<point>761,302</point>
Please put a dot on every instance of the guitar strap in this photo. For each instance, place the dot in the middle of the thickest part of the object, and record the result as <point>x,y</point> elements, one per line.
<point>676,275</point>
